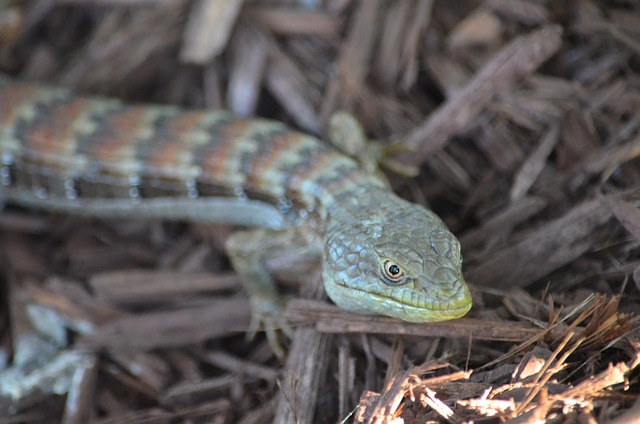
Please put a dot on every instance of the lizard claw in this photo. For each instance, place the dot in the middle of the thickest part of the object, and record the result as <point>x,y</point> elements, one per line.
<point>268,317</point>
<point>347,135</point>
<point>384,151</point>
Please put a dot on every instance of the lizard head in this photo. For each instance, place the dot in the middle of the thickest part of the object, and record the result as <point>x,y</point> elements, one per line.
<point>402,262</point>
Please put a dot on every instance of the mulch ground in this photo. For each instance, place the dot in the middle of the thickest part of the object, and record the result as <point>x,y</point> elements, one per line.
<point>522,122</point>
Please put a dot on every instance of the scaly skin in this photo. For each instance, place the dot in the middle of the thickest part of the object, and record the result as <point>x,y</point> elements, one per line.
<point>382,255</point>
<point>359,245</point>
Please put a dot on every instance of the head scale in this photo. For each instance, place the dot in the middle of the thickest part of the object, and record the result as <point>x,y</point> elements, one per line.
<point>403,262</point>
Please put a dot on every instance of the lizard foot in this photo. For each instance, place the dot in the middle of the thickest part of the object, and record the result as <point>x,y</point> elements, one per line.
<point>346,134</point>
<point>268,316</point>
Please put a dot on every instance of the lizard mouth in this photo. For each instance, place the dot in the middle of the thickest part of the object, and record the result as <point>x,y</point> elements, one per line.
<point>406,306</point>
<point>430,312</point>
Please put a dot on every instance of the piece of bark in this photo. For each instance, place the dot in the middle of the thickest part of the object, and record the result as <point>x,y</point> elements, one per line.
<point>294,21</point>
<point>353,63</point>
<point>548,248</point>
<point>248,63</point>
<point>502,223</point>
<point>288,82</point>
<point>171,328</point>
<point>208,29</point>
<point>627,214</point>
<point>481,28</point>
<point>532,167</point>
<point>516,60</point>
<point>331,319</point>
<point>304,369</point>
<point>527,12</point>
<point>79,406</point>
<point>142,286</point>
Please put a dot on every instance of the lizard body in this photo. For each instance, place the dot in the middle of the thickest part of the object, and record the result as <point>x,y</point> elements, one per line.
<point>103,158</point>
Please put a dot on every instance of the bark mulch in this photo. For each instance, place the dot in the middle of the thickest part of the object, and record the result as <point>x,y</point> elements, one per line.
<point>521,120</point>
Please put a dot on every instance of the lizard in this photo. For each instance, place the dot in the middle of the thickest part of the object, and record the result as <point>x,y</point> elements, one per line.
<point>100,157</point>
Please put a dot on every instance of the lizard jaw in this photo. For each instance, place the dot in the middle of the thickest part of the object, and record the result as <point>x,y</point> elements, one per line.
<point>362,302</point>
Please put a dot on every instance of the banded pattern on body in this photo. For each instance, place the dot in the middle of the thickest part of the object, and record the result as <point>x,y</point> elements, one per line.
<point>101,157</point>
<point>60,145</point>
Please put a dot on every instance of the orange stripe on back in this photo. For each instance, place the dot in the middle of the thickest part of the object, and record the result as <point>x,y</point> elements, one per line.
<point>54,132</point>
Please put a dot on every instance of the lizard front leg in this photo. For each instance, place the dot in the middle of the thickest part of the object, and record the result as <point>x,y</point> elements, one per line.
<point>248,251</point>
<point>347,135</point>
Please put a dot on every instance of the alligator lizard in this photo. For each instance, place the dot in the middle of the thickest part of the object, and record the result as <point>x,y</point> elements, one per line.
<point>103,158</point>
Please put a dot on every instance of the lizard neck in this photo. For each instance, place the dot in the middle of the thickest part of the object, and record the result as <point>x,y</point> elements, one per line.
<point>351,196</point>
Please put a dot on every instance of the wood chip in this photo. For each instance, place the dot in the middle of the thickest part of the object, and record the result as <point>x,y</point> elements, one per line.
<point>208,29</point>
<point>518,59</point>
<point>525,117</point>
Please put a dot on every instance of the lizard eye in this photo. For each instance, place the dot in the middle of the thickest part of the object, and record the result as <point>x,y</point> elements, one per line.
<point>392,271</point>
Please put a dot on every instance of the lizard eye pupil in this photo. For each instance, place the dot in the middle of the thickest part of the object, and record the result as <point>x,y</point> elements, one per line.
<point>392,272</point>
